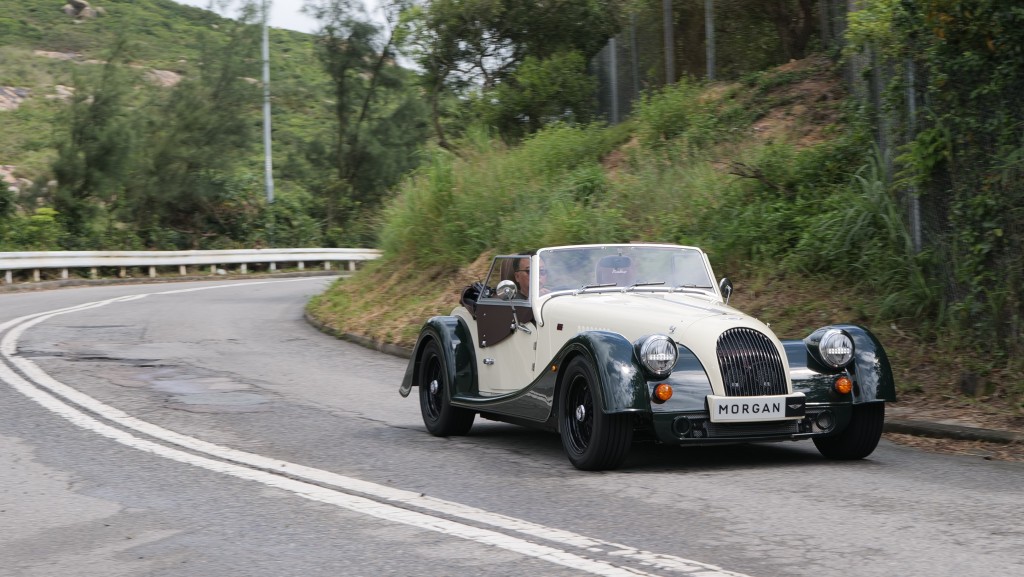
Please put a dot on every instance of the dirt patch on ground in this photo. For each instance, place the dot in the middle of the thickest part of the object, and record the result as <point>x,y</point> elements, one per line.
<point>803,110</point>
<point>412,296</point>
<point>987,451</point>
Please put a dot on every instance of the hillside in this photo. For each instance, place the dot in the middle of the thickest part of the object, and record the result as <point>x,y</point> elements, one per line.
<point>797,109</point>
<point>45,52</point>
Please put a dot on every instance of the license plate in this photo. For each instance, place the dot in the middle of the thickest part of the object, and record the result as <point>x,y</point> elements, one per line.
<point>747,409</point>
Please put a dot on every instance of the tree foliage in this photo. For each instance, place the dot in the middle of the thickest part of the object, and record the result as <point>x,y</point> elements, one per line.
<point>185,187</point>
<point>94,155</point>
<point>379,122</point>
<point>505,51</point>
<point>966,157</point>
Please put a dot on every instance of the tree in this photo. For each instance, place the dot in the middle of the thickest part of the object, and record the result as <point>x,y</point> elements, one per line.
<point>539,92</point>
<point>380,120</point>
<point>191,187</point>
<point>94,155</point>
<point>473,47</point>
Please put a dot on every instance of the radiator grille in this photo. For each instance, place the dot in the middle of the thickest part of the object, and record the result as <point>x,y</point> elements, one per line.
<point>750,364</point>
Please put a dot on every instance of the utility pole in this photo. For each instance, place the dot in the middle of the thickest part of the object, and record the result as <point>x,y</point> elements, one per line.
<point>670,42</point>
<point>709,36</point>
<point>268,163</point>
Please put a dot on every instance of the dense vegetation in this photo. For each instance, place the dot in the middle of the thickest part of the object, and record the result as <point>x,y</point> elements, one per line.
<point>493,143</point>
<point>127,161</point>
<point>688,168</point>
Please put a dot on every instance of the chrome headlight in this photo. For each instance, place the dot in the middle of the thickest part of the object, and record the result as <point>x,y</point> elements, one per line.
<point>658,354</point>
<point>836,348</point>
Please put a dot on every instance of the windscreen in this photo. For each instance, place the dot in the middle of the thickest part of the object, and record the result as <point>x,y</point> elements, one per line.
<point>576,267</point>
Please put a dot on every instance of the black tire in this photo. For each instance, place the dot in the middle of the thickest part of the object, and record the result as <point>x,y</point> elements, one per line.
<point>593,440</point>
<point>859,438</point>
<point>440,417</point>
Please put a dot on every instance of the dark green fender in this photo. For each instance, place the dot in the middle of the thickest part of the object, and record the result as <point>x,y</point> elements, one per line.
<point>871,371</point>
<point>623,384</point>
<point>457,345</point>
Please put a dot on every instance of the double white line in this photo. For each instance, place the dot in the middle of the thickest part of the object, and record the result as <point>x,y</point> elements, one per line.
<point>396,505</point>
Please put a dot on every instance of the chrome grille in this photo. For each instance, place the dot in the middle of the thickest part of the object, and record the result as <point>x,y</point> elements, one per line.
<point>750,364</point>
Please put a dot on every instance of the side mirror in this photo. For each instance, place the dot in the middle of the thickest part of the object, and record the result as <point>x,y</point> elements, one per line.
<point>506,290</point>
<point>725,287</point>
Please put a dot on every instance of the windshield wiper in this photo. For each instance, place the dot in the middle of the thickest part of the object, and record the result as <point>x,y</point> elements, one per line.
<point>652,283</point>
<point>690,287</point>
<point>602,285</point>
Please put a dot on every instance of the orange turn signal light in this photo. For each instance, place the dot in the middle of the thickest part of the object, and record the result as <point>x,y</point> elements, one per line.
<point>843,385</point>
<point>662,393</point>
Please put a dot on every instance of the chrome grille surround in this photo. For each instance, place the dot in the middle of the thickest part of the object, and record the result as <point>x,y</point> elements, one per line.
<point>750,364</point>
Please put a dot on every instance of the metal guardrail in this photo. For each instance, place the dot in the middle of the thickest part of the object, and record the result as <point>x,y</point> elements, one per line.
<point>183,259</point>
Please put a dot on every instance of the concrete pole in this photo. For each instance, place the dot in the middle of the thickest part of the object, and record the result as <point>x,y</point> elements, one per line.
<point>268,163</point>
<point>670,42</point>
<point>709,36</point>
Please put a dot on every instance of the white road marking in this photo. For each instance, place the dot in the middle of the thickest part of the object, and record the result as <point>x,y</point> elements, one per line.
<point>300,479</point>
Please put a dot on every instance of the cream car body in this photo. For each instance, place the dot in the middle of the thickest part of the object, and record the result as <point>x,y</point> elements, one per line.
<point>574,359</point>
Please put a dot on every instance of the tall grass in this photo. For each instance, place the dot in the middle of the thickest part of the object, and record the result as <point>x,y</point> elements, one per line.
<point>678,174</point>
<point>863,229</point>
<point>549,190</point>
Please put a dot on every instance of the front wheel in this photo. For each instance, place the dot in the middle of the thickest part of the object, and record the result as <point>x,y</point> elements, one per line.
<point>440,417</point>
<point>859,438</point>
<point>593,440</point>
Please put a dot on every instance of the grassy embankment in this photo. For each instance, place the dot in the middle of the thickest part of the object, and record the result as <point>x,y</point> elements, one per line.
<point>769,175</point>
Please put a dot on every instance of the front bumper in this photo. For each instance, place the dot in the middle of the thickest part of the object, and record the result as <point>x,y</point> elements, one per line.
<point>696,427</point>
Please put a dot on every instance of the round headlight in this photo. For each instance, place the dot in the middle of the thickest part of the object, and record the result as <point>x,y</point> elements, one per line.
<point>658,354</point>
<point>836,348</point>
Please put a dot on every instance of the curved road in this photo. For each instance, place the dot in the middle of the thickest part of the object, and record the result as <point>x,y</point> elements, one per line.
<point>204,429</point>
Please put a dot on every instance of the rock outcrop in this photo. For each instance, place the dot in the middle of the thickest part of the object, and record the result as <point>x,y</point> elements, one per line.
<point>12,97</point>
<point>81,10</point>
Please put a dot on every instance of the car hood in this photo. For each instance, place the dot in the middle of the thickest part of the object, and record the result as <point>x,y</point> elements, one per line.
<point>692,321</point>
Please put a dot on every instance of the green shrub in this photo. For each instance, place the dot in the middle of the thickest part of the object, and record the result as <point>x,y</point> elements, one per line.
<point>492,197</point>
<point>36,232</point>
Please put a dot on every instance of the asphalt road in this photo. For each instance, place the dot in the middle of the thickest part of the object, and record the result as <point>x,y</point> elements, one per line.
<point>206,430</point>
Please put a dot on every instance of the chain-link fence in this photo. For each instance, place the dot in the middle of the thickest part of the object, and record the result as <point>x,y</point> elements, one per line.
<point>666,39</point>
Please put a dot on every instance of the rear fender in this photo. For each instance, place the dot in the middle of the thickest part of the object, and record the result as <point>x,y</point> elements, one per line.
<point>453,336</point>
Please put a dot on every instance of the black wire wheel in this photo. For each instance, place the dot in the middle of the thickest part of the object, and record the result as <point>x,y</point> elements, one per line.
<point>859,438</point>
<point>439,416</point>
<point>593,440</point>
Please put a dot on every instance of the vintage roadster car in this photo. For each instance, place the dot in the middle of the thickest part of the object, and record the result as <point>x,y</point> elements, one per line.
<point>607,344</point>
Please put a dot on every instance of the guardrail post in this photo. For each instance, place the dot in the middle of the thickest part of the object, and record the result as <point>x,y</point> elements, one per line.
<point>93,273</point>
<point>327,265</point>
<point>213,270</point>
<point>64,274</point>
<point>273,266</point>
<point>123,273</point>
<point>244,269</point>
<point>302,265</point>
<point>183,270</point>
<point>35,275</point>
<point>352,265</point>
<point>8,277</point>
<point>152,272</point>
